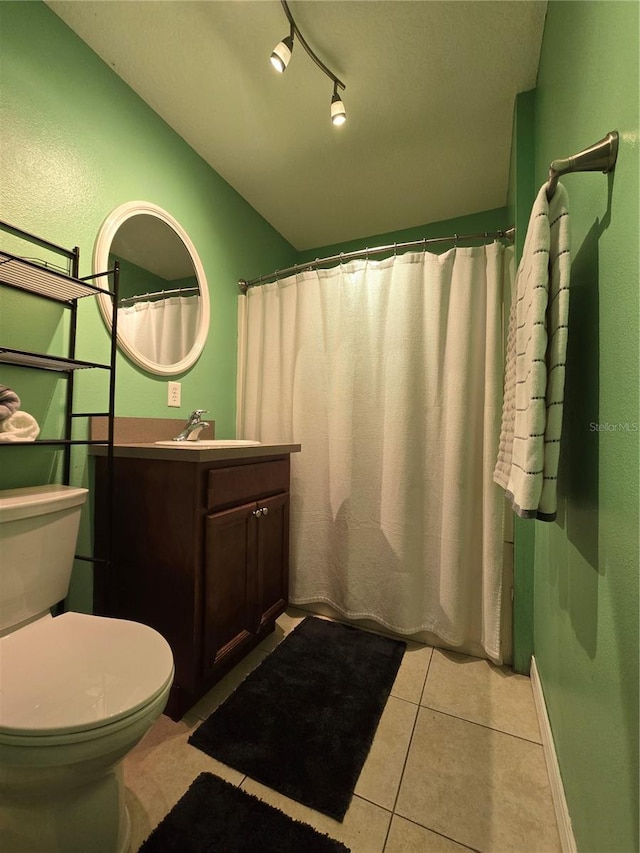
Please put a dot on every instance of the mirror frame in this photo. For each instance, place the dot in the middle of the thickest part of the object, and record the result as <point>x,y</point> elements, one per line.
<point>102,246</point>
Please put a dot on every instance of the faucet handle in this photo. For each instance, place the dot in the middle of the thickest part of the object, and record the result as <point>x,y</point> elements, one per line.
<point>195,415</point>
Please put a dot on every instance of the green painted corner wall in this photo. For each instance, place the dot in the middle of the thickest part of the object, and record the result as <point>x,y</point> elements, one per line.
<point>475,223</point>
<point>76,142</point>
<point>586,563</point>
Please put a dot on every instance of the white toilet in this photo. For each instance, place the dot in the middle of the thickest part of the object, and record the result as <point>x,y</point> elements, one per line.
<point>77,692</point>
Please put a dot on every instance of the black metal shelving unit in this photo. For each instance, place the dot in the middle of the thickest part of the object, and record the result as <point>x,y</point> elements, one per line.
<point>66,289</point>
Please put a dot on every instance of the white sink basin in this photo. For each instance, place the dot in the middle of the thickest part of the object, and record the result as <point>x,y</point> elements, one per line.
<point>204,444</point>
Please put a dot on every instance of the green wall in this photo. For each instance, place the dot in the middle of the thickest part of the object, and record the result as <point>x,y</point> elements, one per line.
<point>76,142</point>
<point>586,563</point>
<point>476,223</point>
<point>135,280</point>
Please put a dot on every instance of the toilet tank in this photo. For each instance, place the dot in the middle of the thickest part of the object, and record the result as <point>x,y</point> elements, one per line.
<point>38,533</point>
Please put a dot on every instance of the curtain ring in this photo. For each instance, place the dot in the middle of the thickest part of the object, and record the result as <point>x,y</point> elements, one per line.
<point>395,249</point>
<point>424,244</point>
<point>366,254</point>
<point>455,240</point>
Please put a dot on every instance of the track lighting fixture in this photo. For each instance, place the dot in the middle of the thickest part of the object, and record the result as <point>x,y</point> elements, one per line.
<point>282,54</point>
<point>338,112</point>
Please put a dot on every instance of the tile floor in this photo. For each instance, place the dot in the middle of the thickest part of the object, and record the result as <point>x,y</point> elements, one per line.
<point>456,764</point>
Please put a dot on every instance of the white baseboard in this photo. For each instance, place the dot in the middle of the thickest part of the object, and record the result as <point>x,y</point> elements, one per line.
<point>565,830</point>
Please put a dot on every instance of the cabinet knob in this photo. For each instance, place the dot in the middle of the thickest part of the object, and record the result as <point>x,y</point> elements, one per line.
<point>265,510</point>
<point>257,513</point>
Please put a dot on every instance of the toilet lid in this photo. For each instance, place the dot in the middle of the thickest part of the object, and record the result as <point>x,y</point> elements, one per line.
<point>75,672</point>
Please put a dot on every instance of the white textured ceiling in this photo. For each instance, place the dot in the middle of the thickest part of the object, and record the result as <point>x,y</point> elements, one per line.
<point>429,99</point>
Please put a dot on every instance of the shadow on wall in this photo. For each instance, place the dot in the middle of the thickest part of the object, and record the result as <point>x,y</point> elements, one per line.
<point>579,455</point>
<point>578,482</point>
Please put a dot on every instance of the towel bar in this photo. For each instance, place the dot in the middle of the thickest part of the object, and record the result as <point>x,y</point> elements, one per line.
<point>599,157</point>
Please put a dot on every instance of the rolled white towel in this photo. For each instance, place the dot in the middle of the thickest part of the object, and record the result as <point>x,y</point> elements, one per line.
<point>9,402</point>
<point>20,426</point>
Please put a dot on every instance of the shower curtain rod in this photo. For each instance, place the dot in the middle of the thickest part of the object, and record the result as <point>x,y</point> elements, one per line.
<point>160,293</point>
<point>508,234</point>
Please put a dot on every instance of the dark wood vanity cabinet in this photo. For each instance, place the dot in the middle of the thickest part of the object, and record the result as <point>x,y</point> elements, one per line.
<point>200,552</point>
<point>245,574</point>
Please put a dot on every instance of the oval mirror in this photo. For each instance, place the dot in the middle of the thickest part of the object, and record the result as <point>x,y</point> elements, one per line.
<point>163,300</point>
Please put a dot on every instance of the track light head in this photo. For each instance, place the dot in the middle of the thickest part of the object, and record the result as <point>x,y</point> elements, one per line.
<point>282,53</point>
<point>338,112</point>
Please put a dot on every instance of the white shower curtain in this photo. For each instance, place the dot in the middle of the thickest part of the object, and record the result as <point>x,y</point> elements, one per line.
<point>164,330</point>
<point>389,374</point>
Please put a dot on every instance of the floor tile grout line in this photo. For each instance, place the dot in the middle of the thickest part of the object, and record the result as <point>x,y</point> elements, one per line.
<point>403,699</point>
<point>441,834</point>
<point>482,725</point>
<point>426,675</point>
<point>366,800</point>
<point>406,757</point>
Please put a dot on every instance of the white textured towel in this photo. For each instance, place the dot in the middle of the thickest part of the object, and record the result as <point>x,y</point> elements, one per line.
<point>20,426</point>
<point>527,466</point>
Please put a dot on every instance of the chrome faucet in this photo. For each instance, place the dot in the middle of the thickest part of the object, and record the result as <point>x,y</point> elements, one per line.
<point>193,426</point>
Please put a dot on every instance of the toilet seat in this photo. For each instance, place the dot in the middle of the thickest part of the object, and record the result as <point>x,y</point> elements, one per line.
<point>79,673</point>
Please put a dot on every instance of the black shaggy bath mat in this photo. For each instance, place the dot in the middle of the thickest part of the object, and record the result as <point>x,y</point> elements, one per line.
<point>216,817</point>
<point>302,723</point>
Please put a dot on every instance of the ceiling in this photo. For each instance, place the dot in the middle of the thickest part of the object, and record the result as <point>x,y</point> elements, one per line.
<point>153,245</point>
<point>430,89</point>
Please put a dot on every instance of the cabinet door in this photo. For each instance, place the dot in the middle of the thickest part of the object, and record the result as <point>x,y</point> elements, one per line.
<point>272,529</point>
<point>230,583</point>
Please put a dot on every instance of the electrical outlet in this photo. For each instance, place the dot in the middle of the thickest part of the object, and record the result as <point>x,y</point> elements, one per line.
<point>173,394</point>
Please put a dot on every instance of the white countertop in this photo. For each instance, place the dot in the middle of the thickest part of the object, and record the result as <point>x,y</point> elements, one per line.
<point>206,454</point>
